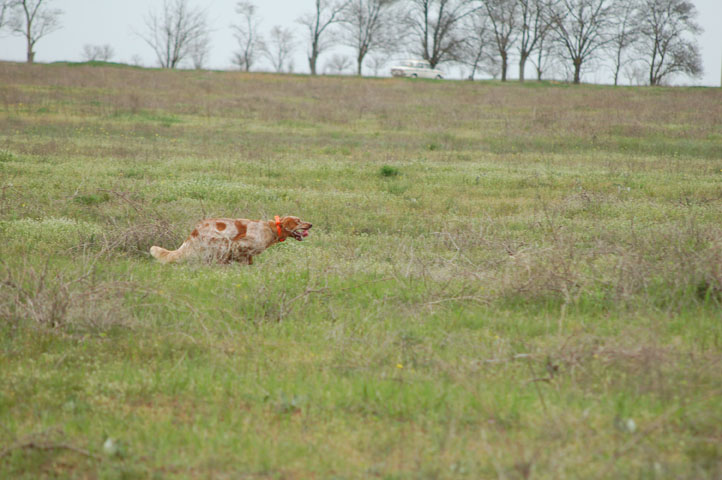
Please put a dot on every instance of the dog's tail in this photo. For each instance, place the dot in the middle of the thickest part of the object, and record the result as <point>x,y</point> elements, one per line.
<point>167,256</point>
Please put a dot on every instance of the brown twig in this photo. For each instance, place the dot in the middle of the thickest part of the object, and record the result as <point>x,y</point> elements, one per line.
<point>536,384</point>
<point>32,444</point>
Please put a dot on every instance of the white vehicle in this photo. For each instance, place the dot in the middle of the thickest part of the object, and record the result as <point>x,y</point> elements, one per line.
<point>416,68</point>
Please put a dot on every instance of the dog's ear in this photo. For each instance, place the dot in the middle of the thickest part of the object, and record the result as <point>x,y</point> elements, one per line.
<point>290,223</point>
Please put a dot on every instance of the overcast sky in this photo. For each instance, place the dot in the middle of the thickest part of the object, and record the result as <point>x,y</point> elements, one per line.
<point>114,22</point>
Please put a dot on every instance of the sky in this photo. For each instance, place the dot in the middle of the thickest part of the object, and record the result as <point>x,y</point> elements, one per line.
<point>119,22</point>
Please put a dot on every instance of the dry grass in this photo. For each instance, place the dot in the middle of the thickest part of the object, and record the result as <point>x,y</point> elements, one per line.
<point>74,301</point>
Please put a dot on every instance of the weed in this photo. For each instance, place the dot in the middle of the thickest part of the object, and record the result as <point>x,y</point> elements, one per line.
<point>58,300</point>
<point>389,171</point>
<point>92,199</point>
<point>6,156</point>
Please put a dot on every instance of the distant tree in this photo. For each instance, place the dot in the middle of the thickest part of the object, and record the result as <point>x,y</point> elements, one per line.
<point>365,27</point>
<point>665,28</point>
<point>581,31</point>
<point>624,32</point>
<point>97,52</point>
<point>377,62</point>
<point>173,31</point>
<point>474,52</point>
<point>534,25</point>
<point>635,73</point>
<point>492,66</point>
<point>504,21</point>
<point>250,41</point>
<point>4,9</point>
<point>546,53</point>
<point>433,26</point>
<point>199,51</point>
<point>317,23</point>
<point>338,64</point>
<point>33,19</point>
<point>136,60</point>
<point>279,48</point>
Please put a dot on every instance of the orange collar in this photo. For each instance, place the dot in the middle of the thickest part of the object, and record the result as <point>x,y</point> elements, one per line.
<point>278,229</point>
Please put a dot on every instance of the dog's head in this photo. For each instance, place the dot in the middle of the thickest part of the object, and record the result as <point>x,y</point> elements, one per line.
<point>295,227</point>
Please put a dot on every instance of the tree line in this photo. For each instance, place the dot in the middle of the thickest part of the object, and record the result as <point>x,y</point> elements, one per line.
<point>654,38</point>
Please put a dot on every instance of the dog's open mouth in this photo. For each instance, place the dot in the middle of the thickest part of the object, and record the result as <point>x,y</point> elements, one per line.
<point>300,233</point>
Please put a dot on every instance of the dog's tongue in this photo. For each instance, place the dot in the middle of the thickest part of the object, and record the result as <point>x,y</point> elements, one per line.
<point>305,233</point>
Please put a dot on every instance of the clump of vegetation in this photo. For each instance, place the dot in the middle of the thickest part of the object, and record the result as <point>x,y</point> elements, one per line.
<point>92,198</point>
<point>7,156</point>
<point>389,171</point>
<point>73,301</point>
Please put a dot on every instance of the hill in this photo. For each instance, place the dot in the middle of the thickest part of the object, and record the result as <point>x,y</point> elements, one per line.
<point>502,280</point>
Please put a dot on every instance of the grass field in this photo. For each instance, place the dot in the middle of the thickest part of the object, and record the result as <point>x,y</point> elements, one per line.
<point>503,281</point>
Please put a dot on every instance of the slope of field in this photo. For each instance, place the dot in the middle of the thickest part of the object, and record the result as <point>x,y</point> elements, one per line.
<point>502,281</point>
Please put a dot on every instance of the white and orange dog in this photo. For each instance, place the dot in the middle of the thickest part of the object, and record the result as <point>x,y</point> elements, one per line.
<point>226,240</point>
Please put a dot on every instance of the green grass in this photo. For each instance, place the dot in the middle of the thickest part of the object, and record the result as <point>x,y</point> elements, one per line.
<point>502,281</point>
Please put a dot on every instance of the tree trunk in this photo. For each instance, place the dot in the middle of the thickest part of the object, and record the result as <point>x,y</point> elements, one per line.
<point>651,64</point>
<point>312,64</point>
<point>522,64</point>
<point>538,65</point>
<point>577,71</point>
<point>504,66</point>
<point>617,65</point>
<point>30,53</point>
<point>313,58</point>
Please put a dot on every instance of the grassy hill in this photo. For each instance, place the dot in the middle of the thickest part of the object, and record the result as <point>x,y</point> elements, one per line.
<point>502,281</point>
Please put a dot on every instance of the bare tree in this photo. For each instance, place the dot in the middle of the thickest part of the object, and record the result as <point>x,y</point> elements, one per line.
<point>474,52</point>
<point>5,6</point>
<point>325,14</point>
<point>376,62</point>
<point>365,26</point>
<point>102,53</point>
<point>433,26</point>
<point>665,26</point>
<point>279,48</point>
<point>504,20</point>
<point>33,19</point>
<point>580,28</point>
<point>250,41</point>
<point>534,25</point>
<point>136,60</point>
<point>635,73</point>
<point>625,31</point>
<point>338,64</point>
<point>90,52</point>
<point>172,32</point>
<point>545,55</point>
<point>199,50</point>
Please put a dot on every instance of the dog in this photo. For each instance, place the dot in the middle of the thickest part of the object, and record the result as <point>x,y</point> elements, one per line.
<point>225,240</point>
